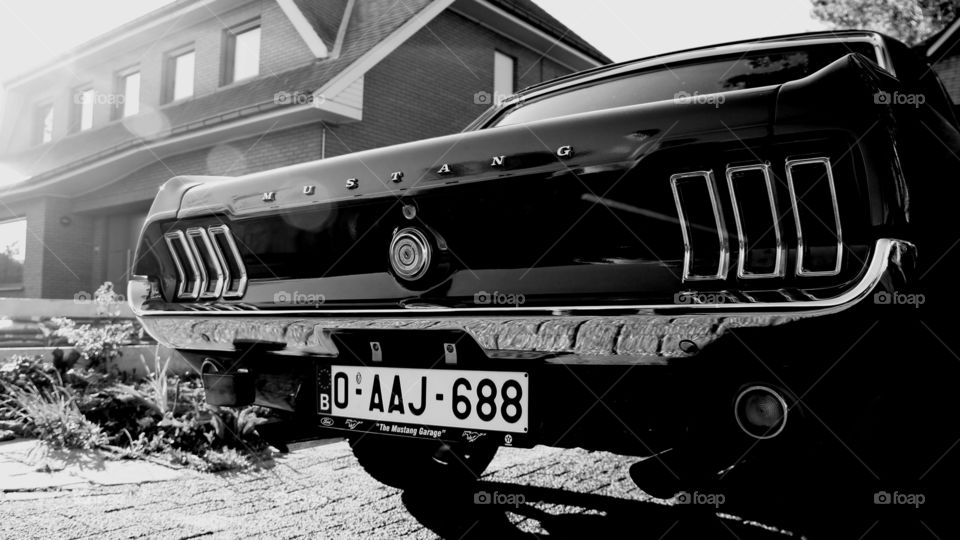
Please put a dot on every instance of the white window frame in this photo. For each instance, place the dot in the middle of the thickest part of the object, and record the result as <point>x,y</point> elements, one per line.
<point>504,76</point>
<point>84,98</point>
<point>233,56</point>
<point>180,85</point>
<point>125,105</point>
<point>41,113</point>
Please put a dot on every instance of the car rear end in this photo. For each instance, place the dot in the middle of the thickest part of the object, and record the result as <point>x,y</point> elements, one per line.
<point>597,279</point>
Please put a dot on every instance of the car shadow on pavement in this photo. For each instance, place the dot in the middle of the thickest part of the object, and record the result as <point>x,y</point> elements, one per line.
<point>485,512</point>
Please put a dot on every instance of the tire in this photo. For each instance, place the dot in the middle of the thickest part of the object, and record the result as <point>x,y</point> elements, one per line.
<point>421,464</point>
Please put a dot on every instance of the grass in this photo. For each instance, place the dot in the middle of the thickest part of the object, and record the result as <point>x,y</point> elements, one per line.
<point>52,415</point>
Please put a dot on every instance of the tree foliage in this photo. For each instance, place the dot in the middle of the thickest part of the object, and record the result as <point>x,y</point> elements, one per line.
<point>908,20</point>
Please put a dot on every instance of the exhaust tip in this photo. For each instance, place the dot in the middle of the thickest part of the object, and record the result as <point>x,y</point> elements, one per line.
<point>761,412</point>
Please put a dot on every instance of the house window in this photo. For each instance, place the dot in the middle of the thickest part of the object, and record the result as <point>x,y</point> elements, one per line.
<point>242,52</point>
<point>128,93</point>
<point>83,99</point>
<point>179,74</point>
<point>13,238</point>
<point>504,76</point>
<point>44,123</point>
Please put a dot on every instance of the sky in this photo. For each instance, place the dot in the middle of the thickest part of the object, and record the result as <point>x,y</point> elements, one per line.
<point>34,31</point>
<point>628,29</point>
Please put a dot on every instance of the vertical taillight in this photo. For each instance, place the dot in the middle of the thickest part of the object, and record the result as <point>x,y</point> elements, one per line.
<point>207,263</point>
<point>235,273</point>
<point>761,241</point>
<point>813,195</point>
<point>761,252</point>
<point>706,250</point>
<point>188,272</point>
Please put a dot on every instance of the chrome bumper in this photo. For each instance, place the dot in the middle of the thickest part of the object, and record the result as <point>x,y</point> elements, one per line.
<point>642,334</point>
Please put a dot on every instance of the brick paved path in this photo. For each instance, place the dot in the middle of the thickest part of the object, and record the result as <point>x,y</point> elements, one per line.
<point>321,492</point>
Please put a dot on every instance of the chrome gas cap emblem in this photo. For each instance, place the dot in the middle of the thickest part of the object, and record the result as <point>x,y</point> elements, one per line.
<point>410,253</point>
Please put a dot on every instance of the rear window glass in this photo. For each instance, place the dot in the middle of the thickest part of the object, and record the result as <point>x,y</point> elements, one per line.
<point>739,72</point>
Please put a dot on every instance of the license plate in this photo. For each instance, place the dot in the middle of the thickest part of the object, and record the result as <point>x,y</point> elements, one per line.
<point>482,400</point>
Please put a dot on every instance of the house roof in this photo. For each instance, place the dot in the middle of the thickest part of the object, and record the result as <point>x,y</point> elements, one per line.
<point>324,17</point>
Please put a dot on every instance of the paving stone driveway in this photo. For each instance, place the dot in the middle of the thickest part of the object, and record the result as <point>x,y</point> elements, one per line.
<point>321,492</point>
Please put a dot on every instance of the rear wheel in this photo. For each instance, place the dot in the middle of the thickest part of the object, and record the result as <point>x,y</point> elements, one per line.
<point>417,463</point>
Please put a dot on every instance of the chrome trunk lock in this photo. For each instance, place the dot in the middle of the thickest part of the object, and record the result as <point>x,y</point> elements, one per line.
<point>410,253</point>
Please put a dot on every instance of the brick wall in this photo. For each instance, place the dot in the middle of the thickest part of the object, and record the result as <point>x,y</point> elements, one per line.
<point>949,71</point>
<point>66,255</point>
<point>428,86</point>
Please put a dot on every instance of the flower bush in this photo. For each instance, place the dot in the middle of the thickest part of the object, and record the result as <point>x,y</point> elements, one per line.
<point>98,344</point>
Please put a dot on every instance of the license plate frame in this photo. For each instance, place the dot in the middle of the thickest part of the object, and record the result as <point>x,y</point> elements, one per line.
<point>332,417</point>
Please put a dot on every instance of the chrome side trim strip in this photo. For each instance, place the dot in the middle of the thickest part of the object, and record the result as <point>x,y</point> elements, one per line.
<point>779,268</point>
<point>206,253</point>
<point>885,250</point>
<point>685,226</point>
<point>234,253</point>
<point>182,292</point>
<point>883,54</point>
<point>825,163</point>
<point>181,277</point>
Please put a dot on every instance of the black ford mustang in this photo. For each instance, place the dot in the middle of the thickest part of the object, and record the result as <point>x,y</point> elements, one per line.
<point>729,256</point>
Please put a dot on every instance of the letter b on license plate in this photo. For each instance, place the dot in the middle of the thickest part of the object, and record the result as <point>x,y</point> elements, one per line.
<point>482,400</point>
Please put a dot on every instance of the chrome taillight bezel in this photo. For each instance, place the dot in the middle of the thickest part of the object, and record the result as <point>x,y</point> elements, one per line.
<point>685,224</point>
<point>182,292</point>
<point>234,254</point>
<point>205,252</point>
<point>779,267</point>
<point>790,165</point>
<point>204,269</point>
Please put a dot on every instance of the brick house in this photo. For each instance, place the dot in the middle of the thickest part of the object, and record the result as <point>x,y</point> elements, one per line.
<point>942,50</point>
<point>228,87</point>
